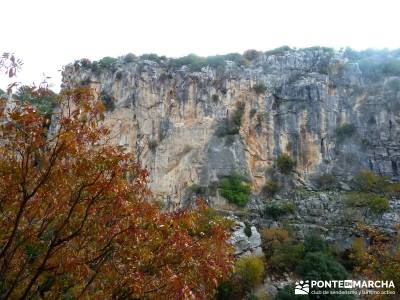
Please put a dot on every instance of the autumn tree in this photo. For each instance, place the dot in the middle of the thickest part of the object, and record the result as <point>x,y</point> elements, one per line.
<point>77,220</point>
<point>376,256</point>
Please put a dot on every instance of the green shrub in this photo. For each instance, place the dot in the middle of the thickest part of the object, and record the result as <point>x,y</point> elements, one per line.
<point>314,243</point>
<point>153,144</point>
<point>327,50</point>
<point>285,163</point>
<point>232,126</point>
<point>247,229</point>
<point>286,256</point>
<point>216,61</point>
<point>367,181</point>
<point>107,62</point>
<point>44,101</point>
<point>271,187</point>
<point>326,181</point>
<point>192,61</point>
<point>251,54</point>
<point>393,189</point>
<point>345,131</point>
<point>277,209</point>
<point>278,51</point>
<point>320,266</point>
<point>196,63</point>
<point>391,67</point>
<point>371,69</point>
<point>250,271</point>
<point>130,57</point>
<point>260,88</point>
<point>375,202</point>
<point>238,115</point>
<point>235,189</point>
<point>197,189</point>
<point>107,100</point>
<point>152,57</point>
<point>118,75</point>
<point>227,290</point>
<point>215,98</point>
<point>85,82</point>
<point>235,57</point>
<point>85,63</point>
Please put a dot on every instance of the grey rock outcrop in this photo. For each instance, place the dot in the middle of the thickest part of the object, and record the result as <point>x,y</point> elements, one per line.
<point>246,245</point>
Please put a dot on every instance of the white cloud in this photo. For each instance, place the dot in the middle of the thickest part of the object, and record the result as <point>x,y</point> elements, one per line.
<point>47,34</point>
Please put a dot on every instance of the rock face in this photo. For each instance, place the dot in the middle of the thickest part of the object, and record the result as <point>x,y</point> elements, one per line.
<point>331,113</point>
<point>244,244</point>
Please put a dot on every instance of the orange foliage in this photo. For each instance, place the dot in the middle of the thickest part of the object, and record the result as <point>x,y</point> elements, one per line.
<point>377,257</point>
<point>76,220</point>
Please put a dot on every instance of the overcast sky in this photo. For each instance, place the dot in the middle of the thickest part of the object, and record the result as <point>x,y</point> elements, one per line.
<point>47,34</point>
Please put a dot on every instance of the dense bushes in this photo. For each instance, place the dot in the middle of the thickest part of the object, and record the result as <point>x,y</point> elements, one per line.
<point>391,67</point>
<point>237,116</point>
<point>281,250</point>
<point>232,125</point>
<point>248,273</point>
<point>321,266</point>
<point>271,187</point>
<point>375,202</point>
<point>44,101</point>
<point>285,164</point>
<point>153,144</point>
<point>152,57</point>
<point>107,62</point>
<point>277,209</point>
<point>260,88</point>
<point>326,182</point>
<point>130,57</point>
<point>278,51</point>
<point>196,63</point>
<point>375,64</point>
<point>393,189</point>
<point>367,181</point>
<point>107,100</point>
<point>312,259</point>
<point>250,270</point>
<point>235,189</point>
<point>371,191</point>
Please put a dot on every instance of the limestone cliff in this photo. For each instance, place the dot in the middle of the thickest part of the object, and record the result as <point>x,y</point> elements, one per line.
<point>294,102</point>
<point>334,112</point>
